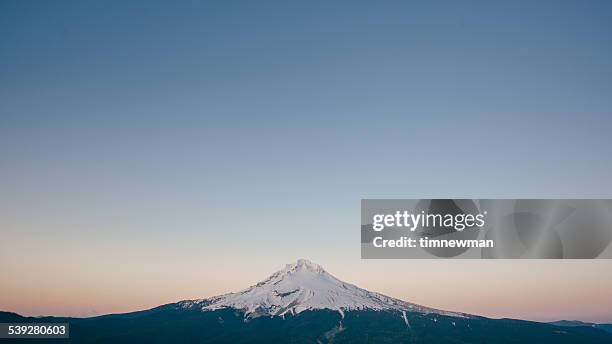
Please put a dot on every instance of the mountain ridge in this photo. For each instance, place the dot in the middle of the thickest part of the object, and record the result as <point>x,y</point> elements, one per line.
<point>303,303</point>
<point>305,285</point>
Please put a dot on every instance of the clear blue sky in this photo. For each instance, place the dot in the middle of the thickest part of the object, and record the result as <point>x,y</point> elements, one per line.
<point>256,127</point>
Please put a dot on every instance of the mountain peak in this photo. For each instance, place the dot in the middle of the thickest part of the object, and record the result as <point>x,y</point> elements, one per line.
<point>301,286</point>
<point>304,265</point>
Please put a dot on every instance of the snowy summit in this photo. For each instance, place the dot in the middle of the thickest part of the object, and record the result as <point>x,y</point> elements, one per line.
<point>302,286</point>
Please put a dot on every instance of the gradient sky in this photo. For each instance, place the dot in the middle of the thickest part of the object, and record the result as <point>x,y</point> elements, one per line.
<point>157,151</point>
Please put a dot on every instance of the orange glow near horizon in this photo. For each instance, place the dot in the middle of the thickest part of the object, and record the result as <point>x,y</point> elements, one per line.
<point>538,290</point>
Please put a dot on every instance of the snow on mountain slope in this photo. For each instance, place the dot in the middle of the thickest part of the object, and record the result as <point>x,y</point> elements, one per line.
<point>305,286</point>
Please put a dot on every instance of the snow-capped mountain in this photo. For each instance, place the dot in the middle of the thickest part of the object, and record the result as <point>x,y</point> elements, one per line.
<point>302,286</point>
<point>302,303</point>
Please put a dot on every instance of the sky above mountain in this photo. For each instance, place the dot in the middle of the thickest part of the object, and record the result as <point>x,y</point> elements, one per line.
<point>152,152</point>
